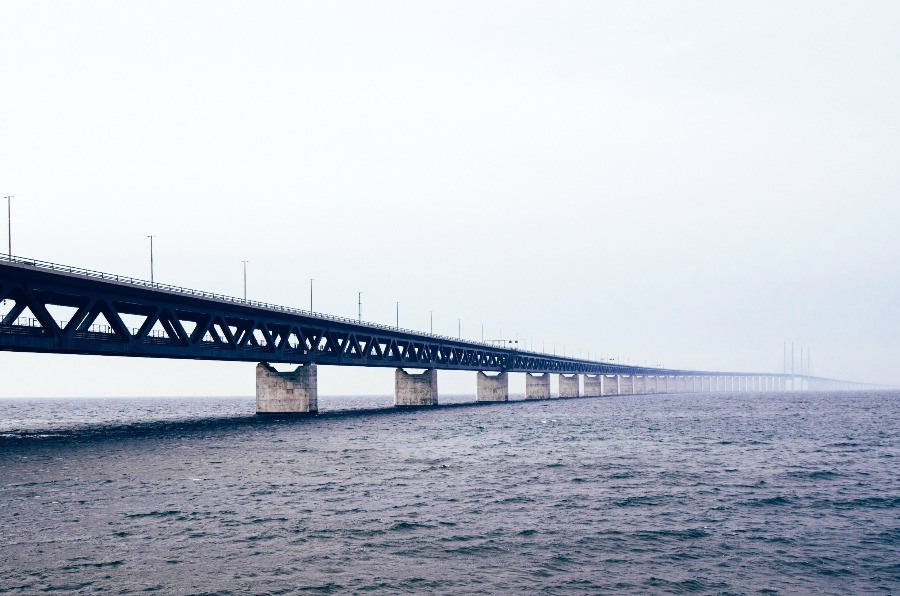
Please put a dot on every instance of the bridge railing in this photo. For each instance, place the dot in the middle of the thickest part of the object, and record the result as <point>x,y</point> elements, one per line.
<point>124,279</point>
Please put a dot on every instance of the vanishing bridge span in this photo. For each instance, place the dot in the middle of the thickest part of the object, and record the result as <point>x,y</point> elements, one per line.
<point>59,309</point>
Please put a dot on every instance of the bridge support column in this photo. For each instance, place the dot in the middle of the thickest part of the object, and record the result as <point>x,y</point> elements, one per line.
<point>568,386</point>
<point>537,386</point>
<point>650,382</point>
<point>287,393</point>
<point>704,385</point>
<point>626,385</point>
<point>415,389</point>
<point>662,383</point>
<point>640,384</point>
<point>609,385</point>
<point>592,386</point>
<point>492,388</point>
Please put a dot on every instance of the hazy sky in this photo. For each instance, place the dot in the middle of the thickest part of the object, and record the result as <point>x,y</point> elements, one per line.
<point>684,183</point>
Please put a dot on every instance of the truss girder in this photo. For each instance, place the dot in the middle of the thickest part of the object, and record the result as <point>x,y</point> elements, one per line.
<point>182,325</point>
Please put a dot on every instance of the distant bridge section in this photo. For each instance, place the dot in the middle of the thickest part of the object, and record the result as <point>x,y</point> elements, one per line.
<point>60,309</point>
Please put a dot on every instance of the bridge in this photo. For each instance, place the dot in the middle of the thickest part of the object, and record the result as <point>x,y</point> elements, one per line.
<point>59,309</point>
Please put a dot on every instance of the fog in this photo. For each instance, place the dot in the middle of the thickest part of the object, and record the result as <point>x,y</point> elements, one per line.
<point>688,184</point>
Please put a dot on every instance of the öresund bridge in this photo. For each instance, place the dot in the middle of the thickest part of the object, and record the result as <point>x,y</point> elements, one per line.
<point>51,308</point>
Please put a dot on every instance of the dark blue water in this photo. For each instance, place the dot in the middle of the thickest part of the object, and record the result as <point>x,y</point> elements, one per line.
<point>738,494</point>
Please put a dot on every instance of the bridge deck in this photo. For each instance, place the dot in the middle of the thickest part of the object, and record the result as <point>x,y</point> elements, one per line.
<point>113,315</point>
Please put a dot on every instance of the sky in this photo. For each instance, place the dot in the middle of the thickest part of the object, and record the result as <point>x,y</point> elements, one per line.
<point>690,184</point>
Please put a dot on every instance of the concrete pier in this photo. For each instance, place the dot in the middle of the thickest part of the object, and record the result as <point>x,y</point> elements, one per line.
<point>492,388</point>
<point>609,385</point>
<point>415,389</point>
<point>705,386</point>
<point>650,382</point>
<point>537,386</point>
<point>568,386</point>
<point>592,385</point>
<point>626,385</point>
<point>287,393</point>
<point>640,384</point>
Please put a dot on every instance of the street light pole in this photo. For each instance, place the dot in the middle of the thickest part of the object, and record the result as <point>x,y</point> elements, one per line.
<point>9,199</point>
<point>359,303</point>
<point>151,259</point>
<point>245,279</point>
<point>398,315</point>
<point>431,322</point>
<point>310,293</point>
<point>459,329</point>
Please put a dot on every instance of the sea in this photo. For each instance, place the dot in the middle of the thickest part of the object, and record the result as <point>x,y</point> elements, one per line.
<point>659,494</point>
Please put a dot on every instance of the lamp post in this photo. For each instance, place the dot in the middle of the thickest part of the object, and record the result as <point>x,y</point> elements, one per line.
<point>359,304</point>
<point>431,322</point>
<point>398,316</point>
<point>310,293</point>
<point>9,199</point>
<point>459,329</point>
<point>245,280</point>
<point>151,259</point>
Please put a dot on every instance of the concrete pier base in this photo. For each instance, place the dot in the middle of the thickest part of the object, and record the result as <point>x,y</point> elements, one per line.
<point>650,382</point>
<point>640,384</point>
<point>705,386</point>
<point>287,393</point>
<point>537,386</point>
<point>415,389</point>
<point>592,385</point>
<point>568,386</point>
<point>626,385</point>
<point>609,385</point>
<point>492,388</point>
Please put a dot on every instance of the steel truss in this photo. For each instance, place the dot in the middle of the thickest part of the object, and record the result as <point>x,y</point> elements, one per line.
<point>113,316</point>
<point>182,325</point>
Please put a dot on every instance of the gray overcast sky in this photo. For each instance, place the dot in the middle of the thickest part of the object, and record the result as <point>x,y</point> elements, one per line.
<point>685,183</point>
